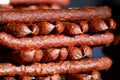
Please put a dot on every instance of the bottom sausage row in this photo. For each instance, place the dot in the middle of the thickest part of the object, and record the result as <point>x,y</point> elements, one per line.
<point>62,67</point>
<point>92,75</point>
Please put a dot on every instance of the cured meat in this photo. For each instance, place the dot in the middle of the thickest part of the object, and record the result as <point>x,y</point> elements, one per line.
<point>93,75</point>
<point>54,41</point>
<point>46,55</point>
<point>67,28</point>
<point>53,77</point>
<point>63,67</point>
<point>86,13</point>
<point>21,29</point>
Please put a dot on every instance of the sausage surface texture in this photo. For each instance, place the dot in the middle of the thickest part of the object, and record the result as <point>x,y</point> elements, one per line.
<point>86,13</point>
<point>63,67</point>
<point>54,41</point>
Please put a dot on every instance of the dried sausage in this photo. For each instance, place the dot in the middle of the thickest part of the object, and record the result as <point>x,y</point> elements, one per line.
<point>67,28</point>
<point>45,27</point>
<point>46,55</point>
<point>54,41</point>
<point>53,77</point>
<point>97,25</point>
<point>93,75</point>
<point>71,28</point>
<point>86,13</point>
<point>63,67</point>
<point>20,29</point>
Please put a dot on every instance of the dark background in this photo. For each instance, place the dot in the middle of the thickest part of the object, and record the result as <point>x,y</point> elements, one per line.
<point>81,3</point>
<point>111,51</point>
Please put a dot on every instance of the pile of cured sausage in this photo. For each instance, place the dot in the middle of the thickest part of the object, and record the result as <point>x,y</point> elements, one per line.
<point>43,42</point>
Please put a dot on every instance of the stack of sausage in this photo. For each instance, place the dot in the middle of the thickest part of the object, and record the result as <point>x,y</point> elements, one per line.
<point>44,44</point>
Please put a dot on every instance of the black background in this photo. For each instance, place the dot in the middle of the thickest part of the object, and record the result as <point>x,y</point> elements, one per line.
<point>82,3</point>
<point>111,51</point>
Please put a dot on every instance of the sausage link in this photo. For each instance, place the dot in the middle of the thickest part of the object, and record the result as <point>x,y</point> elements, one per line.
<point>86,13</point>
<point>20,29</point>
<point>72,28</point>
<point>75,53</point>
<point>78,53</point>
<point>45,27</point>
<point>111,23</point>
<point>86,51</point>
<point>94,75</point>
<point>51,55</point>
<point>84,26</point>
<point>53,77</point>
<point>16,29</point>
<point>54,41</point>
<point>47,55</point>
<point>29,56</point>
<point>63,67</point>
<point>97,25</point>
